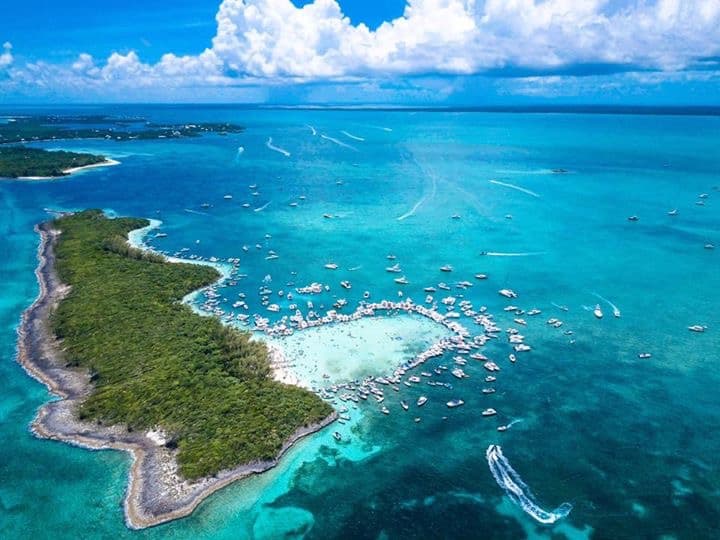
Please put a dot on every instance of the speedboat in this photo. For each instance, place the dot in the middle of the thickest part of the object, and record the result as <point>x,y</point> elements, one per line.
<point>489,412</point>
<point>512,358</point>
<point>384,410</point>
<point>443,286</point>
<point>673,212</point>
<point>414,379</point>
<point>227,197</point>
<point>446,268</point>
<point>455,403</point>
<point>345,284</point>
<point>430,289</point>
<point>391,257</point>
<point>697,328</point>
<point>502,428</point>
<point>633,218</point>
<point>337,436</point>
<point>395,268</point>
<point>480,276</point>
<point>488,391</point>
<point>459,373</point>
<point>709,246</point>
<point>401,280</point>
<point>331,266</point>
<point>404,405</point>
<point>644,355</point>
<point>422,400</point>
<point>598,312</point>
<point>490,378</point>
<point>456,216</point>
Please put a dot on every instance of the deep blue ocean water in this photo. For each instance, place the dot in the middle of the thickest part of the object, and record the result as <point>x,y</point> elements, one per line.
<point>632,444</point>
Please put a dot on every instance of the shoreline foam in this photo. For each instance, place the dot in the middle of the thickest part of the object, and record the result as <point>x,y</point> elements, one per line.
<point>156,493</point>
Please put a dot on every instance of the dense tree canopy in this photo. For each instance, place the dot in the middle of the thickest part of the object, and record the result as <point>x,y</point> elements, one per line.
<point>156,363</point>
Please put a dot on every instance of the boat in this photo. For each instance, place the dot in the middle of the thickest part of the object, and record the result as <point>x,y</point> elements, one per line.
<point>404,405</point>
<point>507,293</point>
<point>228,197</point>
<point>391,257</point>
<point>598,312</point>
<point>502,428</point>
<point>384,410</point>
<point>345,284</point>
<point>331,266</point>
<point>644,355</point>
<point>430,289</point>
<point>491,366</point>
<point>488,391</point>
<point>455,216</point>
<point>673,212</point>
<point>490,378</point>
<point>459,373</point>
<point>512,358</point>
<point>414,379</point>
<point>443,286</point>
<point>366,294</point>
<point>337,436</point>
<point>395,268</point>
<point>481,276</point>
<point>455,403</point>
<point>697,328</point>
<point>328,216</point>
<point>633,218</point>
<point>422,400</point>
<point>489,412</point>
<point>446,268</point>
<point>709,246</point>
<point>401,280</point>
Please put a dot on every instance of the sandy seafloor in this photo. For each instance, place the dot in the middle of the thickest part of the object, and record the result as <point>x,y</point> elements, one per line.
<point>630,443</point>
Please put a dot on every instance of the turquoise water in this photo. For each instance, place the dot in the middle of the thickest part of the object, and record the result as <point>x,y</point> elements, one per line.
<point>632,444</point>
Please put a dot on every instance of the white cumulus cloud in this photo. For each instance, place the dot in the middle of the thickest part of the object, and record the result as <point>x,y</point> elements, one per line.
<point>6,58</point>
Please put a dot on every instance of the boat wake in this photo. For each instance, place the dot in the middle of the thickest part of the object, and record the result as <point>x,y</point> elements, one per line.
<point>189,211</point>
<point>353,137</point>
<point>339,143</point>
<point>422,200</point>
<point>263,207</point>
<point>271,146</point>
<point>616,310</point>
<point>518,491</point>
<point>312,129</point>
<point>520,254</point>
<point>517,188</point>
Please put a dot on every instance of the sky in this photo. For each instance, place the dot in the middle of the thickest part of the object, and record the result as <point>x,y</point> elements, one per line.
<point>414,52</point>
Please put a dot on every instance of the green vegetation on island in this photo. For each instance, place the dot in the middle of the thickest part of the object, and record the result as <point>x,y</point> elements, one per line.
<point>19,161</point>
<point>49,127</point>
<point>154,362</point>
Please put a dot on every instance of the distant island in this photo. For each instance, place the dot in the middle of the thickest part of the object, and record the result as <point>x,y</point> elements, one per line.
<point>20,161</point>
<point>193,400</point>
<point>36,163</point>
<point>23,129</point>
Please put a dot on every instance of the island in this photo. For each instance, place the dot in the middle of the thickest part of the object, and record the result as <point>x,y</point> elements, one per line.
<point>36,163</point>
<point>194,401</point>
<point>20,161</point>
<point>23,129</point>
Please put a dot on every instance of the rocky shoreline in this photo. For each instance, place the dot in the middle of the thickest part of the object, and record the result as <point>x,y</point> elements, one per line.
<point>156,492</point>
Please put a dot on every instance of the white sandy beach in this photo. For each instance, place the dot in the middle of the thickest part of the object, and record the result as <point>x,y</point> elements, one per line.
<point>72,170</point>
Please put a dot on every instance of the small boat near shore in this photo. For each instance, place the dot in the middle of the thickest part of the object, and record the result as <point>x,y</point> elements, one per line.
<point>489,412</point>
<point>422,400</point>
<point>455,403</point>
